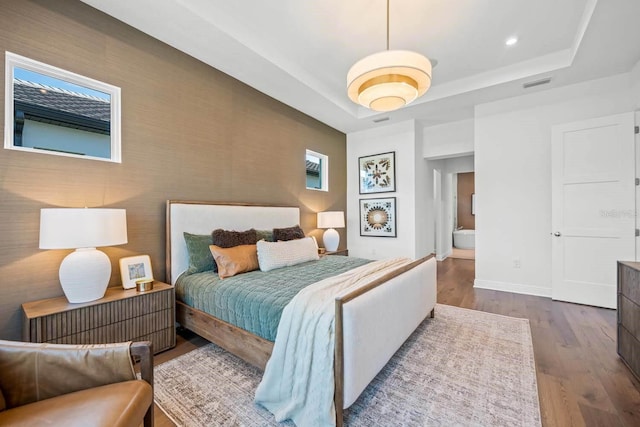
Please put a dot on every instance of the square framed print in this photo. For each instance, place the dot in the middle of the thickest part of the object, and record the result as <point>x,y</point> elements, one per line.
<point>377,173</point>
<point>135,268</point>
<point>378,217</point>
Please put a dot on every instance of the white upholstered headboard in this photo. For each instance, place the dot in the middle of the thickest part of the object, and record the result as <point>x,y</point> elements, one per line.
<point>204,217</point>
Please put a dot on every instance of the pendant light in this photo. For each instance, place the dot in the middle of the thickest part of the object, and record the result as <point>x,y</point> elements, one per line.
<point>388,80</point>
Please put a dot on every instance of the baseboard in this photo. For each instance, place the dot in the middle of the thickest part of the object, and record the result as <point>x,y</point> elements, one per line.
<point>515,288</point>
<point>444,256</point>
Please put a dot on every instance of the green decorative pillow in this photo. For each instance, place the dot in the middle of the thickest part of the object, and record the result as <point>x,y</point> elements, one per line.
<point>200,258</point>
<point>266,235</point>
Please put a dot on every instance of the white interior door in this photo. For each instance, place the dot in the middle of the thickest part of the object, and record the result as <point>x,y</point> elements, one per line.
<point>593,207</point>
<point>637,145</point>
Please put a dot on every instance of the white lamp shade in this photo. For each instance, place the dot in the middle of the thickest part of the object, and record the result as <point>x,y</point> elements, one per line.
<point>331,219</point>
<point>71,228</point>
<point>84,274</point>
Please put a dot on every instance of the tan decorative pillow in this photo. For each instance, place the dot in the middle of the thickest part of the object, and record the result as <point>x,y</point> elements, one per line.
<point>235,260</point>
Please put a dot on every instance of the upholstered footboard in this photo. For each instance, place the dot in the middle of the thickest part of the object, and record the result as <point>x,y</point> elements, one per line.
<point>373,322</point>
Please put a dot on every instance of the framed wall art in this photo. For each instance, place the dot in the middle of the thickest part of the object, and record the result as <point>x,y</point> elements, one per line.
<point>377,173</point>
<point>378,217</point>
<point>135,268</point>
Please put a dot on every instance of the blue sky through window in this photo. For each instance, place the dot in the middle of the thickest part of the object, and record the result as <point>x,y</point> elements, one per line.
<point>32,76</point>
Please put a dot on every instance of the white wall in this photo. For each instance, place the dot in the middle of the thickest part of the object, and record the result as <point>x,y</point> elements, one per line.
<point>434,236</point>
<point>411,198</point>
<point>448,140</point>
<point>460,164</point>
<point>513,178</point>
<point>635,85</point>
<point>423,198</point>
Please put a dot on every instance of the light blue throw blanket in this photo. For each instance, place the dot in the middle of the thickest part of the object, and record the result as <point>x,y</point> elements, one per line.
<point>298,382</point>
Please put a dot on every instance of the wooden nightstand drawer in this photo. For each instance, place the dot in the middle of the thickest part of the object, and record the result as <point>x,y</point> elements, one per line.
<point>121,315</point>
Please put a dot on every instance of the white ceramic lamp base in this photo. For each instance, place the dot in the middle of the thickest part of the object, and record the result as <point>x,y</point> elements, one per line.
<point>331,240</point>
<point>84,275</point>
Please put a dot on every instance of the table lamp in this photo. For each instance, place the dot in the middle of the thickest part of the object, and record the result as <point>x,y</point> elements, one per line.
<point>84,274</point>
<point>331,220</point>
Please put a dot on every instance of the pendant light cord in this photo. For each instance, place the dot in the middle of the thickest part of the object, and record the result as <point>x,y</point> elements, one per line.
<point>387,24</point>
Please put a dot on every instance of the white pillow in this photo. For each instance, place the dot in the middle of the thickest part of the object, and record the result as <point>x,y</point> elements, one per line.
<point>272,255</point>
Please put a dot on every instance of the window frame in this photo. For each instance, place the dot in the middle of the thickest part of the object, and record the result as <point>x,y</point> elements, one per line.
<point>324,170</point>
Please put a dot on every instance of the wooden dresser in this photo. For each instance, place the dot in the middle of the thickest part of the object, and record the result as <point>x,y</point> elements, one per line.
<point>629,314</point>
<point>121,315</point>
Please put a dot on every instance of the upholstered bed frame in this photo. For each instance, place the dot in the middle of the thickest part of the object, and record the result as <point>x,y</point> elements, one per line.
<point>371,323</point>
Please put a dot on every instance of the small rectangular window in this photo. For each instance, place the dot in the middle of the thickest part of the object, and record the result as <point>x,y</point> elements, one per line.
<point>317,171</point>
<point>49,110</point>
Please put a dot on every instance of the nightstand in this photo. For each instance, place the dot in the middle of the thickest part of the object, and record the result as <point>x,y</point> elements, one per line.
<point>121,315</point>
<point>343,252</point>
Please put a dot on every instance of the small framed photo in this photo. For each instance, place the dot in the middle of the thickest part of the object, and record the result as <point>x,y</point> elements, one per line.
<point>378,217</point>
<point>135,268</point>
<point>377,173</point>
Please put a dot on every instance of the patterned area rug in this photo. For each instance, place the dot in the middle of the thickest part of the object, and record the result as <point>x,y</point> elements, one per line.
<point>462,368</point>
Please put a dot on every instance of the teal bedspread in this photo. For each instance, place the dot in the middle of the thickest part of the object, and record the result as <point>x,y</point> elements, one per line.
<point>254,301</point>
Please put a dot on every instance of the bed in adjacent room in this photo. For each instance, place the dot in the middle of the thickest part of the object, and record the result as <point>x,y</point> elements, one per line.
<point>370,307</point>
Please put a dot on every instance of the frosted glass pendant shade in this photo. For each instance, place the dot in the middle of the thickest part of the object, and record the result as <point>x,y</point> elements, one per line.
<point>389,80</point>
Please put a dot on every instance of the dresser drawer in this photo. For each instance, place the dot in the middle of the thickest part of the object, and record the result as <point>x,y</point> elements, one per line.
<point>629,282</point>
<point>629,350</point>
<point>629,316</point>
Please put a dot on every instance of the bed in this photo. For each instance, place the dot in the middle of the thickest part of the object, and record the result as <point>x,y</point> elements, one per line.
<point>371,322</point>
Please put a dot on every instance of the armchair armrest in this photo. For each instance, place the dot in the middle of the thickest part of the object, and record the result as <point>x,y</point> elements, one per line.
<point>31,372</point>
<point>142,352</point>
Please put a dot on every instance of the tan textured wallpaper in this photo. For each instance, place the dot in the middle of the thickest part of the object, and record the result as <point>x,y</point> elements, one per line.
<point>466,187</point>
<point>188,132</point>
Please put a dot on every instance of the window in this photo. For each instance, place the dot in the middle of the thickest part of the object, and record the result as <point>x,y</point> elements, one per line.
<point>53,111</point>
<point>317,167</point>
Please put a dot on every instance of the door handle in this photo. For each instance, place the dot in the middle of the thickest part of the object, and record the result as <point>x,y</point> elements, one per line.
<point>557,234</point>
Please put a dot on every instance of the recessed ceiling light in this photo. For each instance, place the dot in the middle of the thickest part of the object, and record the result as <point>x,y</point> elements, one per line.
<point>511,41</point>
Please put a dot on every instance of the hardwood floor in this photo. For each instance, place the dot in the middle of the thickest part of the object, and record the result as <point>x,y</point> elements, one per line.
<point>581,379</point>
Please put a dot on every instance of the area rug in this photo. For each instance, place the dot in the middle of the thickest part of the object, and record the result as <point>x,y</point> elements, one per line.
<point>461,368</point>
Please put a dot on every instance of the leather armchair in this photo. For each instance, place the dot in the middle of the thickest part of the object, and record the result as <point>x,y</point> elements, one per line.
<point>75,385</point>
